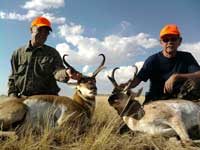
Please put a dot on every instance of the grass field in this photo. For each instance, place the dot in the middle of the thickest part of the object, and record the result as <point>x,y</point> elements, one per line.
<point>101,135</point>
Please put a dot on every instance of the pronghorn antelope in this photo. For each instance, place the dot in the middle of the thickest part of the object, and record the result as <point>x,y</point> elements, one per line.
<point>164,117</point>
<point>60,110</point>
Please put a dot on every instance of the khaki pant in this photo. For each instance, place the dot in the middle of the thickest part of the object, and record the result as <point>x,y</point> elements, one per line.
<point>190,90</point>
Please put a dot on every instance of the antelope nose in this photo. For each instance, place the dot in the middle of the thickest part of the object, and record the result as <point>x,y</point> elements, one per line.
<point>93,87</point>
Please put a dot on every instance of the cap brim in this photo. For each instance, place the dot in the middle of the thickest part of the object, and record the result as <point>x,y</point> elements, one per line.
<point>46,27</point>
<point>50,29</point>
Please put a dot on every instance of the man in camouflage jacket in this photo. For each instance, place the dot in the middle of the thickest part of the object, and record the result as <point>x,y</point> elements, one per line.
<point>36,67</point>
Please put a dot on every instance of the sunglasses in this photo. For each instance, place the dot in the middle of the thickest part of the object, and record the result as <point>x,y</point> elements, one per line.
<point>172,39</point>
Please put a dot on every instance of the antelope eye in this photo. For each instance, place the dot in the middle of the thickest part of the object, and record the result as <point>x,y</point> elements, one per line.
<point>117,100</point>
<point>88,80</point>
<point>83,80</point>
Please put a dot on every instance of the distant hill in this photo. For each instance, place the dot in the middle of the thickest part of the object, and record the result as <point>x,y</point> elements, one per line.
<point>3,96</point>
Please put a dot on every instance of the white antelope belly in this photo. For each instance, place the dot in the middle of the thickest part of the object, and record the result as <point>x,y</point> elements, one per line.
<point>42,112</point>
<point>189,112</point>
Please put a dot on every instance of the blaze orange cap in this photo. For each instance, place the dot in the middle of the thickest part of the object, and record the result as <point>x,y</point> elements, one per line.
<point>169,29</point>
<point>41,22</point>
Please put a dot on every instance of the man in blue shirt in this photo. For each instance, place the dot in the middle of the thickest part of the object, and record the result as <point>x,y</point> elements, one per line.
<point>168,69</point>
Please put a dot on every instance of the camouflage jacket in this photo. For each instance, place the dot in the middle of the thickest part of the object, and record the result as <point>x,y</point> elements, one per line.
<point>35,71</point>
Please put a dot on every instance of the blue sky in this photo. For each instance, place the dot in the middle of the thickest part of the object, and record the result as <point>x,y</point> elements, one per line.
<point>126,31</point>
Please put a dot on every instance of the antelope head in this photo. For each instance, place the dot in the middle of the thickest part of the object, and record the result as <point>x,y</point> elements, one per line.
<point>86,86</point>
<point>122,98</point>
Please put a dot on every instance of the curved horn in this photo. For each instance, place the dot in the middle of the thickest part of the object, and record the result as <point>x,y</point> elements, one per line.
<point>112,78</point>
<point>100,66</point>
<point>131,80</point>
<point>68,65</point>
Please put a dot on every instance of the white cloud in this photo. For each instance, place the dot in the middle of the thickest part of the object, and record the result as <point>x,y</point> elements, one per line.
<point>63,48</point>
<point>139,64</point>
<point>125,24</point>
<point>145,41</point>
<point>71,29</point>
<point>85,69</point>
<point>193,48</point>
<point>124,73</point>
<point>30,15</point>
<point>16,16</point>
<point>36,8</point>
<point>54,19</point>
<point>116,48</point>
<point>43,4</point>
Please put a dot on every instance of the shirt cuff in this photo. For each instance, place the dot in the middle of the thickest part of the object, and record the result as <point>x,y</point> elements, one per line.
<point>61,76</point>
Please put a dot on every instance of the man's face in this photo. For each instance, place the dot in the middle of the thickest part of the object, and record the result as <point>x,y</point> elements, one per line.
<point>170,43</point>
<point>39,35</point>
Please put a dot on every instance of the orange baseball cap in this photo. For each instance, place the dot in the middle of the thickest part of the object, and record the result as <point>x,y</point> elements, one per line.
<point>169,29</point>
<point>41,22</point>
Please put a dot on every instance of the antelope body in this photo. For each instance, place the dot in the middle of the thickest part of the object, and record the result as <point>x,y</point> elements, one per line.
<point>165,117</point>
<point>57,110</point>
<point>168,118</point>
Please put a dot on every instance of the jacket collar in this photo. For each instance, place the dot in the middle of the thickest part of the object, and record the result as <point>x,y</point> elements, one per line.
<point>29,47</point>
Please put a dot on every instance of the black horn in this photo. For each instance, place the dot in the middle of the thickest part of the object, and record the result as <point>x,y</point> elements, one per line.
<point>101,66</point>
<point>67,64</point>
<point>131,80</point>
<point>112,78</point>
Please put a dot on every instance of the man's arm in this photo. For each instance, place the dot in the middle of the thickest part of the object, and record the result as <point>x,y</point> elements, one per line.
<point>12,90</point>
<point>135,82</point>
<point>63,74</point>
<point>168,87</point>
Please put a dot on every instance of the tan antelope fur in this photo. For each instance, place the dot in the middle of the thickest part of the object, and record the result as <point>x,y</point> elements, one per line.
<point>163,117</point>
<point>60,110</point>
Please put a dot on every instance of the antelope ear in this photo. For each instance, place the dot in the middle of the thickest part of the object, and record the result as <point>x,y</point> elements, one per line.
<point>137,94</point>
<point>111,79</point>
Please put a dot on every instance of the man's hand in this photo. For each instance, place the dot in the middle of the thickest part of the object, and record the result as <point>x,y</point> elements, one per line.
<point>75,75</point>
<point>123,85</point>
<point>168,87</point>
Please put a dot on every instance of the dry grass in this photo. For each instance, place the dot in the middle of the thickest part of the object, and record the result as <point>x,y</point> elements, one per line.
<point>101,135</point>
